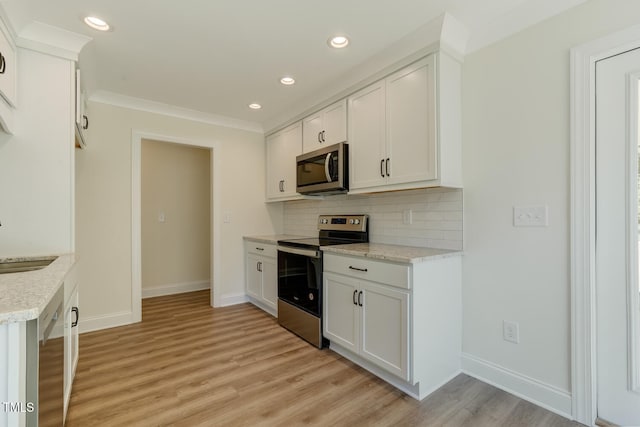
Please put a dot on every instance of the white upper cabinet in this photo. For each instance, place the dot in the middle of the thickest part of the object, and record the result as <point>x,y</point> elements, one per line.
<point>411,131</point>
<point>404,130</point>
<point>326,127</point>
<point>367,143</point>
<point>8,80</point>
<point>82,121</point>
<point>282,149</point>
<point>7,70</point>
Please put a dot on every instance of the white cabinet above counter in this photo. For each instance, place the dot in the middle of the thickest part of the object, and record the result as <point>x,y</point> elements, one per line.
<point>282,149</point>
<point>326,127</point>
<point>404,130</point>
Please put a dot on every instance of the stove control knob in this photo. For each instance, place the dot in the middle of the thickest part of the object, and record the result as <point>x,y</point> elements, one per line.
<point>351,222</point>
<point>356,221</point>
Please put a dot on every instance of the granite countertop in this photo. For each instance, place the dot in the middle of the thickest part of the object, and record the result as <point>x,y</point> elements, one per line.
<point>396,253</point>
<point>23,296</point>
<point>272,239</point>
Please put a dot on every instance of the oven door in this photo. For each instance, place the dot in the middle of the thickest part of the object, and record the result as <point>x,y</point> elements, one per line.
<point>300,278</point>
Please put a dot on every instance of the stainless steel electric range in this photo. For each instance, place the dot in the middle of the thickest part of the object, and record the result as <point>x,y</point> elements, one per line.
<point>300,273</point>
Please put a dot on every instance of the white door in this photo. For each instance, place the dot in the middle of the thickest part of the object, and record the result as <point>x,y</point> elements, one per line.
<point>384,327</point>
<point>367,141</point>
<point>411,124</point>
<point>341,323</point>
<point>617,239</point>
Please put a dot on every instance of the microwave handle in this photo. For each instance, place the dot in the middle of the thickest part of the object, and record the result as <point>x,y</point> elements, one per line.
<point>327,162</point>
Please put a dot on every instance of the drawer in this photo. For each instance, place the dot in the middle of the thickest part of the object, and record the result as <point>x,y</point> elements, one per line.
<point>375,271</point>
<point>263,249</point>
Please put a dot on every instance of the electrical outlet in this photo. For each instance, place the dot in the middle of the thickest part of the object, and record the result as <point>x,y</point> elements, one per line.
<point>510,331</point>
<point>227,218</point>
<point>407,217</point>
<point>161,217</point>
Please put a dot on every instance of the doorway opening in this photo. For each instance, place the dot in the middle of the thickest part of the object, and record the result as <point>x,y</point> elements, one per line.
<point>136,213</point>
<point>175,218</point>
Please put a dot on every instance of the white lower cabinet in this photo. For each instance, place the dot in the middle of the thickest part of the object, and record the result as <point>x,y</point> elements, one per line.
<point>402,322</point>
<point>370,320</point>
<point>71,342</point>
<point>261,275</point>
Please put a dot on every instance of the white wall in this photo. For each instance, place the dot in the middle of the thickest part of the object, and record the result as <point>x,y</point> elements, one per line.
<point>516,152</point>
<point>103,200</point>
<point>36,163</point>
<point>436,216</point>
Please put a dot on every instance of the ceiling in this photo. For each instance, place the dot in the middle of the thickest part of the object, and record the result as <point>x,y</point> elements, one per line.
<point>218,56</point>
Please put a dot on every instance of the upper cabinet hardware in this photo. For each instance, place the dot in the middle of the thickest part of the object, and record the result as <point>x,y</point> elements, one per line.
<point>386,168</point>
<point>77,313</point>
<point>85,122</point>
<point>3,63</point>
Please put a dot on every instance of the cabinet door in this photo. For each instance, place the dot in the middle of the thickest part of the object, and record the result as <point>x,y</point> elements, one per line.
<point>312,132</point>
<point>341,323</point>
<point>367,151</point>
<point>411,130</point>
<point>335,123</point>
<point>8,65</point>
<point>282,149</point>
<point>270,282</point>
<point>253,276</point>
<point>385,327</point>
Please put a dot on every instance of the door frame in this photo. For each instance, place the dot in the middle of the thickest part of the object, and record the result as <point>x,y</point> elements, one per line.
<point>136,214</point>
<point>582,240</point>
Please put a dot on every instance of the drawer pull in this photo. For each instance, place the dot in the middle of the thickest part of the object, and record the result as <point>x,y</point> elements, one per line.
<point>351,267</point>
<point>260,249</point>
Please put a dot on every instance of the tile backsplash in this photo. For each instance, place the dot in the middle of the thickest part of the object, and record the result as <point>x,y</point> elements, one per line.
<point>436,216</point>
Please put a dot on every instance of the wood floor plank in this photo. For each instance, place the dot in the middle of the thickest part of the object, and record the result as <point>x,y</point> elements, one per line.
<point>187,364</point>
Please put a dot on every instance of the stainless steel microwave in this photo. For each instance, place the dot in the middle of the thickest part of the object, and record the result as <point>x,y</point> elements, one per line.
<point>324,171</point>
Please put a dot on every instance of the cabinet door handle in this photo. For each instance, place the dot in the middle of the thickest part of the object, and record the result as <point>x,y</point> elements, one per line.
<point>354,297</point>
<point>283,185</point>
<point>75,311</point>
<point>3,63</point>
<point>387,167</point>
<point>320,137</point>
<point>85,122</point>
<point>259,266</point>
<point>382,168</point>
<point>364,270</point>
<point>323,140</point>
<point>360,298</point>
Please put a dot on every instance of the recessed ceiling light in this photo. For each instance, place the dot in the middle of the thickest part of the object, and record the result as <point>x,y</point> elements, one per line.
<point>288,81</point>
<point>255,106</point>
<point>338,42</point>
<point>96,23</point>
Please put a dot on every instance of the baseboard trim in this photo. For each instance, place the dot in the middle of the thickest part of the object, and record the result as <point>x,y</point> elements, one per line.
<point>544,395</point>
<point>176,288</point>
<point>97,323</point>
<point>417,391</point>
<point>231,299</point>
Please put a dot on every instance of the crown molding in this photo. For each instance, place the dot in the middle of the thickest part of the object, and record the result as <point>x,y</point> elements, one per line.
<point>139,104</point>
<point>52,40</point>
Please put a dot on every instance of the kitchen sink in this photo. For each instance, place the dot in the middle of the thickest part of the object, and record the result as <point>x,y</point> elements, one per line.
<point>21,265</point>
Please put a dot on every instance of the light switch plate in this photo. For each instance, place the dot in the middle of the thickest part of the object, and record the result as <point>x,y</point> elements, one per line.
<point>530,216</point>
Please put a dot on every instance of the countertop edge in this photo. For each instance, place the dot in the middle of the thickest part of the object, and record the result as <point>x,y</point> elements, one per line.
<point>26,294</point>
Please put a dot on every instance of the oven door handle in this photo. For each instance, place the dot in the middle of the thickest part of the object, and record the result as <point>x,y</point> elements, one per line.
<point>304,252</point>
<point>327,162</point>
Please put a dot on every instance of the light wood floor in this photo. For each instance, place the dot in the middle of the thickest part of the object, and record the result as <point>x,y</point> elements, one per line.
<point>188,364</point>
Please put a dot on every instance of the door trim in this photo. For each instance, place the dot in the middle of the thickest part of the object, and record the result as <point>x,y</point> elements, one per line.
<point>136,215</point>
<point>582,240</point>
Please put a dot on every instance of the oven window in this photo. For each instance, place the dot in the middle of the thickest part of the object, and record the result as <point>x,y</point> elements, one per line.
<point>300,281</point>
